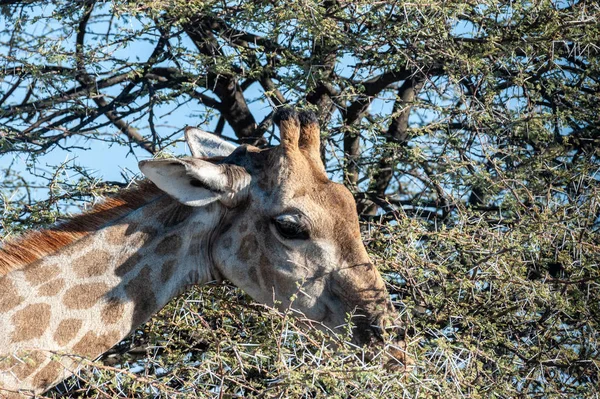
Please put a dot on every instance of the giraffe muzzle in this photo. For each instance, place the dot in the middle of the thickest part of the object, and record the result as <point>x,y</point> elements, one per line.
<point>377,328</point>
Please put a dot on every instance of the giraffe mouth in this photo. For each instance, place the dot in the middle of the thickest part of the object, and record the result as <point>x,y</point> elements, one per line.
<point>367,330</point>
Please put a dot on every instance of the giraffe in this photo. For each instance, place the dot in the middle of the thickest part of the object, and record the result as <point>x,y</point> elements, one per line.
<point>269,221</point>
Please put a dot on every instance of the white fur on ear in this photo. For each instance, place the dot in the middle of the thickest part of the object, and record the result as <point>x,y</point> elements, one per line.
<point>196,182</point>
<point>205,145</point>
<point>173,177</point>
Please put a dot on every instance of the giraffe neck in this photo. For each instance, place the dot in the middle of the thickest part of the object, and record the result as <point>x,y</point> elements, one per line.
<point>84,298</point>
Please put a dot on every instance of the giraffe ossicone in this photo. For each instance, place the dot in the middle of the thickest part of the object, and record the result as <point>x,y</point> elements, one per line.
<point>269,221</point>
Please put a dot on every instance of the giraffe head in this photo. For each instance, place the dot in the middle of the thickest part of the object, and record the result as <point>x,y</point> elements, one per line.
<point>287,235</point>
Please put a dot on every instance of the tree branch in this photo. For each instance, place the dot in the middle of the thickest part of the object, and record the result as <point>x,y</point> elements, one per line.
<point>356,110</point>
<point>396,136</point>
<point>87,80</point>
<point>233,104</point>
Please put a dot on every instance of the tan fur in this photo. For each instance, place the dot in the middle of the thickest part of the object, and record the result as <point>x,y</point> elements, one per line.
<point>67,330</point>
<point>31,322</point>
<point>113,312</point>
<point>84,296</point>
<point>51,288</point>
<point>92,343</point>
<point>34,245</point>
<point>290,133</point>
<point>10,299</point>
<point>48,374</point>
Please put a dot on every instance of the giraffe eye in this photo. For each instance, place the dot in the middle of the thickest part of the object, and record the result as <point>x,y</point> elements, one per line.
<point>291,227</point>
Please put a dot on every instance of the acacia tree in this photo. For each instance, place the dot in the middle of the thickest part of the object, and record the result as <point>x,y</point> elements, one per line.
<point>468,132</point>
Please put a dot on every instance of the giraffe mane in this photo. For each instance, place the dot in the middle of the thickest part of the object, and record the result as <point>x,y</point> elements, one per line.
<point>34,245</point>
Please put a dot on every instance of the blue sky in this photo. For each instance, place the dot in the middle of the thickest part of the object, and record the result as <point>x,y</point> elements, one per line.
<point>110,162</point>
<point>106,161</point>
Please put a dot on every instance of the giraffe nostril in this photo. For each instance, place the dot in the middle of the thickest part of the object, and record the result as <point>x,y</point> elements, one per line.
<point>386,325</point>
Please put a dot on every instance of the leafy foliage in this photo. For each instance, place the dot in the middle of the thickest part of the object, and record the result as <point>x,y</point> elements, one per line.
<point>468,132</point>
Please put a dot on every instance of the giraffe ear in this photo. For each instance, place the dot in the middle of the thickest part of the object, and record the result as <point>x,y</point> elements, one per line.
<point>195,182</point>
<point>205,145</point>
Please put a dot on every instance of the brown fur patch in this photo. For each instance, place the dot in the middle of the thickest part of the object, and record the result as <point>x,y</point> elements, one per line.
<point>167,270</point>
<point>140,291</point>
<point>195,246</point>
<point>261,226</point>
<point>129,233</point>
<point>118,233</point>
<point>48,375</point>
<point>253,275</point>
<point>66,331</point>
<point>93,263</point>
<point>10,297</point>
<point>38,273</point>
<point>31,322</point>
<point>144,235</point>
<point>264,266</point>
<point>92,345</point>
<point>84,296</point>
<point>113,311</point>
<point>128,265</point>
<point>300,192</point>
<point>51,288</point>
<point>35,245</point>
<point>247,247</point>
<point>168,245</point>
